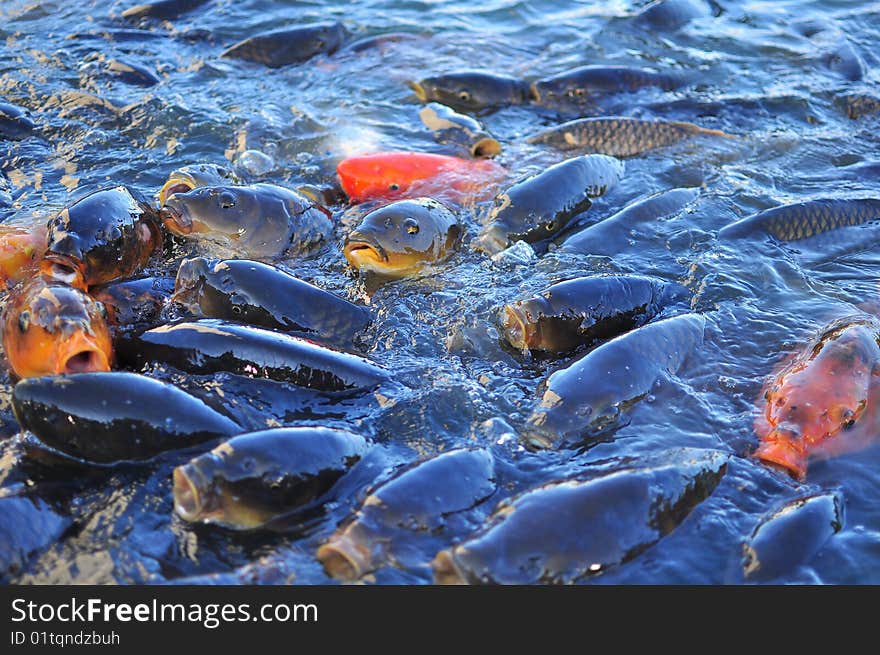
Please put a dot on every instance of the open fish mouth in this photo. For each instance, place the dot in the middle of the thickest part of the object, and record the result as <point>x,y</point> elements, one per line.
<point>419,90</point>
<point>188,499</point>
<point>174,185</point>
<point>63,269</point>
<point>344,558</point>
<point>360,251</point>
<point>515,326</point>
<point>82,355</point>
<point>175,220</point>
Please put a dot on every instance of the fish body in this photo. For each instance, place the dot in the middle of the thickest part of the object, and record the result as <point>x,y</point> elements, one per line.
<point>21,248</point>
<point>15,122</point>
<point>162,9</point>
<point>416,501</point>
<point>565,532</point>
<point>51,328</point>
<point>104,236</point>
<point>258,220</point>
<point>403,237</point>
<point>825,401</point>
<point>396,175</point>
<point>107,418</point>
<point>613,234</point>
<point>253,478</point>
<point>590,395</point>
<point>134,305</point>
<point>582,311</point>
<point>802,220</point>
<point>585,85</point>
<point>290,46</point>
<point>472,90</point>
<point>210,346</point>
<point>619,136</point>
<point>539,207</point>
<point>265,296</point>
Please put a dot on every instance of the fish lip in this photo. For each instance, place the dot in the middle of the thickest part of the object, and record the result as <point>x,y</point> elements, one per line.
<point>361,241</point>
<point>84,359</point>
<point>174,185</point>
<point>419,90</point>
<point>189,503</point>
<point>175,219</point>
<point>515,327</point>
<point>343,558</point>
<point>486,148</point>
<point>491,240</point>
<point>446,569</point>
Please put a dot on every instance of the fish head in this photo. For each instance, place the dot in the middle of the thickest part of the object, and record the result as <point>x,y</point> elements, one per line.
<point>469,90</point>
<point>520,326</point>
<point>187,178</point>
<point>51,328</point>
<point>217,210</point>
<point>816,398</point>
<point>401,237</point>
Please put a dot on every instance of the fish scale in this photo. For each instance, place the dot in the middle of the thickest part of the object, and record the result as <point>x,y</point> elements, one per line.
<point>803,220</point>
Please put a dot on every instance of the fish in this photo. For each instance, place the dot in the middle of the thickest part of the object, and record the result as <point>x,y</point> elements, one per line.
<point>537,208</point>
<point>824,401</point>
<point>416,501</point>
<point>587,84</point>
<point>585,310</point>
<point>671,15</point>
<point>258,294</point>
<point>162,9</point>
<point>449,126</point>
<point>290,46</point>
<point>619,136</point>
<point>210,346</point>
<point>187,178</point>
<point>403,237</point>
<point>397,175</point>
<point>104,236</point>
<point>21,249</point>
<point>565,532</point>
<point>472,90</point>
<point>791,535</point>
<point>615,233</point>
<point>106,418</point>
<point>15,122</point>
<point>253,478</point>
<point>589,396</point>
<point>258,220</point>
<point>134,305</point>
<point>51,328</point>
<point>802,220</point>
<point>128,73</point>
<point>857,105</point>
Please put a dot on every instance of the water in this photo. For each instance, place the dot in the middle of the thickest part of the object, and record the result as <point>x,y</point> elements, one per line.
<point>771,73</point>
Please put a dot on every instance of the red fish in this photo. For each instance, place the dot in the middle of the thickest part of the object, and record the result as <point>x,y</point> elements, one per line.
<point>824,402</point>
<point>394,175</point>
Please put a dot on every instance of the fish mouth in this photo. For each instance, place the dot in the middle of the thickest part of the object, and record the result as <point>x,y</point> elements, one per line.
<point>486,148</point>
<point>492,240</point>
<point>446,570</point>
<point>781,449</point>
<point>515,326</point>
<point>419,90</point>
<point>64,269</point>
<point>189,502</point>
<point>82,355</point>
<point>534,92</point>
<point>344,558</point>
<point>364,252</point>
<point>175,220</point>
<point>174,185</point>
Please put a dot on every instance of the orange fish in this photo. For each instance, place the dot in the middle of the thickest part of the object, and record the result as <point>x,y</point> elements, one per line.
<point>21,247</point>
<point>824,402</point>
<point>395,175</point>
<point>50,328</point>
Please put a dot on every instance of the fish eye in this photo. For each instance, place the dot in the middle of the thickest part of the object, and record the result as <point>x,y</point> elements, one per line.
<point>24,321</point>
<point>464,95</point>
<point>226,200</point>
<point>394,186</point>
<point>411,226</point>
<point>550,226</point>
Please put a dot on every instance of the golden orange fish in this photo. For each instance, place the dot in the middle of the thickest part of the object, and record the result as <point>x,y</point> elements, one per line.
<point>825,400</point>
<point>51,328</point>
<point>21,247</point>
